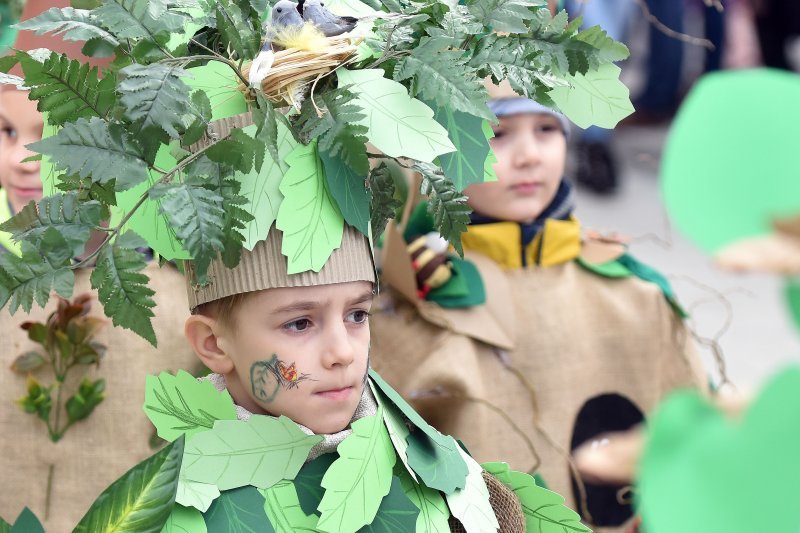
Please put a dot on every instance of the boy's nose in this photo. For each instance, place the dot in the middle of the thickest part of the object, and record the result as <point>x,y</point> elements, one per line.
<point>526,151</point>
<point>338,350</point>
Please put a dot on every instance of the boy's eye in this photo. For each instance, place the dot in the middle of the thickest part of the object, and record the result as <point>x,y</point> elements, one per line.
<point>548,128</point>
<point>9,132</point>
<point>298,325</point>
<point>359,317</point>
<point>498,133</point>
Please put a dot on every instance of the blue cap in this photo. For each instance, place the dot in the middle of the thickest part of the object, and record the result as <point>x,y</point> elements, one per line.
<point>516,106</point>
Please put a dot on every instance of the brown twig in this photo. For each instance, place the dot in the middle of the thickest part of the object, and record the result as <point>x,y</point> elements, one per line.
<point>669,32</point>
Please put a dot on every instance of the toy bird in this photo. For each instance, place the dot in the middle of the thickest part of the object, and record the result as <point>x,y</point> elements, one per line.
<point>315,12</point>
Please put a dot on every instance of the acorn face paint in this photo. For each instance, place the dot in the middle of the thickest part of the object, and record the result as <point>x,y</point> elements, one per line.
<point>267,378</point>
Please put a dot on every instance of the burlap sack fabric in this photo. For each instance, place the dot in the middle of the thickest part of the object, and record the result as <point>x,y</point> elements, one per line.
<point>94,452</point>
<point>506,507</point>
<point>570,333</point>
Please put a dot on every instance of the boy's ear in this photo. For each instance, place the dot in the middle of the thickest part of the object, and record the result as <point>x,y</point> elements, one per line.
<point>200,332</point>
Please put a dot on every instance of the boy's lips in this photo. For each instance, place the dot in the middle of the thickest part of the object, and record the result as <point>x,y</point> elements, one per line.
<point>336,394</point>
<point>526,188</point>
<point>28,192</point>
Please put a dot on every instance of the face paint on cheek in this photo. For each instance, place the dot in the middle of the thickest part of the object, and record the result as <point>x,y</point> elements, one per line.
<point>267,378</point>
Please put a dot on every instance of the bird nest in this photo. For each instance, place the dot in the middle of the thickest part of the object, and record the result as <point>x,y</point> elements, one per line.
<point>294,69</point>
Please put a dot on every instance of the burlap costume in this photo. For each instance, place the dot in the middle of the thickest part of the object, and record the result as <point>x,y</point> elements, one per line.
<point>570,333</point>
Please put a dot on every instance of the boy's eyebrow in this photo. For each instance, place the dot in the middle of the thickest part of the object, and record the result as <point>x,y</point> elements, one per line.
<point>366,297</point>
<point>310,305</point>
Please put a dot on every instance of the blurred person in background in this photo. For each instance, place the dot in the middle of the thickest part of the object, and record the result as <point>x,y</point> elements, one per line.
<point>776,21</point>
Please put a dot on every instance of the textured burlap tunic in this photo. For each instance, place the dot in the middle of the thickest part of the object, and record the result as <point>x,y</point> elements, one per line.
<point>96,451</point>
<point>569,333</point>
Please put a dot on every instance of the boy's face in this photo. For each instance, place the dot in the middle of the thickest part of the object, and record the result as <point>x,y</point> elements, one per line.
<point>531,151</point>
<point>20,124</point>
<point>301,352</point>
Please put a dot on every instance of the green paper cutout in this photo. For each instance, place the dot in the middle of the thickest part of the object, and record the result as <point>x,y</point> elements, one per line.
<point>351,8</point>
<point>398,125</point>
<point>396,426</point>
<point>433,511</point>
<point>141,500</point>
<point>792,292</point>
<point>720,186</point>
<point>609,269</point>
<point>489,175</point>
<point>26,522</point>
<point>221,85</point>
<point>456,286</point>
<point>466,273</point>
<point>237,511</point>
<point>47,171</point>
<point>359,479</point>
<point>262,188</point>
<point>308,482</point>
<point>597,98</point>
<point>470,505</point>
<point>195,494</point>
<point>185,520</point>
<point>181,404</point>
<point>309,218</point>
<point>467,164</point>
<point>349,190</point>
<point>647,273</point>
<point>284,511</point>
<point>260,452</point>
<point>544,510</point>
<point>435,458</point>
<point>703,470</point>
<point>396,513</point>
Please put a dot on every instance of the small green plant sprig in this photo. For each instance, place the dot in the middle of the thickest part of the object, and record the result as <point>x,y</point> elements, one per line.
<point>67,341</point>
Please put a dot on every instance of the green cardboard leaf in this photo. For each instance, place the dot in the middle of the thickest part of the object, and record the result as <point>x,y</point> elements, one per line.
<point>26,523</point>
<point>793,300</point>
<point>260,452</point>
<point>311,223</point>
<point>348,189</point>
<point>398,125</point>
<point>597,98</point>
<point>262,188</point>
<point>180,404</point>
<point>238,511</point>
<point>489,174</point>
<point>308,482</point>
<point>470,505</point>
<point>141,500</point>
<point>396,425</point>
<point>396,513</point>
<point>352,8</point>
<point>221,85</point>
<point>467,164</point>
<point>284,510</point>
<point>184,520</point>
<point>433,511</point>
<point>195,494</point>
<point>724,473</point>
<point>359,479</point>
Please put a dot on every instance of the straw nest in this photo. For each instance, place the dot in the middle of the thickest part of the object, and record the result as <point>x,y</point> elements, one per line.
<point>294,69</point>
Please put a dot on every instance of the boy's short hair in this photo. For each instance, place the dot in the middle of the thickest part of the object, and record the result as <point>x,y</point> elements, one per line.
<point>224,309</point>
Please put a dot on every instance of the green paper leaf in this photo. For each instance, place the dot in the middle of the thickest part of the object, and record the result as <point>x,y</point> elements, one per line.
<point>356,483</point>
<point>221,85</point>
<point>446,205</point>
<point>284,510</point>
<point>267,119</point>
<point>489,174</point>
<point>68,89</point>
<point>71,24</point>
<point>610,51</point>
<point>141,500</point>
<point>383,204</point>
<point>504,15</point>
<point>348,188</point>
<point>181,405</point>
<point>396,512</point>
<point>98,149</point>
<point>396,426</point>
<point>398,125</point>
<point>792,292</point>
<point>138,19</point>
<point>311,223</point>
<point>308,482</point>
<point>237,30</point>
<point>470,505</point>
<point>156,96</point>
<point>597,98</point>
<point>34,275</point>
<point>238,511</point>
<point>433,511</point>
<point>26,523</point>
<point>184,520</point>
<point>467,164</point>
<point>195,494</point>
<point>352,8</point>
<point>122,287</point>
<point>260,452</point>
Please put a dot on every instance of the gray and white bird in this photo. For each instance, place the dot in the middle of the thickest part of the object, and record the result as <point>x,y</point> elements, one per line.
<point>315,12</point>
<point>285,15</point>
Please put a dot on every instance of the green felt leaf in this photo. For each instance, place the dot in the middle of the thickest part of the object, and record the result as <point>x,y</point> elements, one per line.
<point>141,500</point>
<point>138,19</point>
<point>181,405</point>
<point>309,218</point>
<point>156,96</point>
<point>308,482</point>
<point>238,511</point>
<point>433,511</point>
<point>63,212</point>
<point>237,29</point>
<point>396,513</point>
<point>443,76</point>
<point>434,457</point>
<point>348,188</point>
<point>262,188</point>
<point>504,15</point>
<point>383,204</point>
<point>359,479</point>
<point>26,523</point>
<point>470,505</point>
<point>260,452</point>
<point>466,165</point>
<point>184,520</point>
<point>398,125</point>
<point>446,205</point>
<point>122,287</point>
<point>68,89</point>
<point>597,98</point>
<point>396,425</point>
<point>284,510</point>
<point>792,292</point>
<point>98,149</point>
<point>195,494</point>
<point>71,24</point>
<point>195,212</point>
<point>36,273</point>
